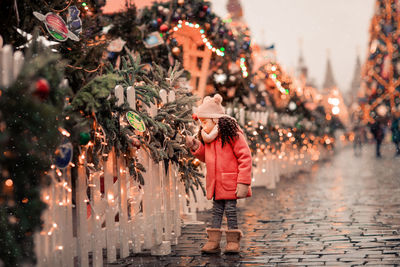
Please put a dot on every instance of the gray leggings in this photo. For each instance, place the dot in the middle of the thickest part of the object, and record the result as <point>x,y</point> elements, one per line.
<point>229,206</point>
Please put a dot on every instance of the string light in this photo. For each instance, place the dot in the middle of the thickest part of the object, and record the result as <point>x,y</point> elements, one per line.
<point>219,51</point>
<point>243,67</point>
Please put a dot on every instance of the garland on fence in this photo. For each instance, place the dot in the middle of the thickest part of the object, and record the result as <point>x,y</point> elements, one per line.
<point>165,132</point>
<point>29,135</point>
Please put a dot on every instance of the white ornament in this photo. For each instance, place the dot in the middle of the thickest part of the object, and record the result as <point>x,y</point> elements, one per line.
<point>292,106</point>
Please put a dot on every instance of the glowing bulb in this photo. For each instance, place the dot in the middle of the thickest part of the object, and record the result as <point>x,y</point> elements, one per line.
<point>9,182</point>
<point>335,110</point>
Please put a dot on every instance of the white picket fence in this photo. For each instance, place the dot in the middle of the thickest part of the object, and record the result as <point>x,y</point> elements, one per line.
<point>81,222</point>
<point>122,218</point>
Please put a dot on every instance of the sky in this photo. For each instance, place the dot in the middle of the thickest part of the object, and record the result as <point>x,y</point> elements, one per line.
<point>337,27</point>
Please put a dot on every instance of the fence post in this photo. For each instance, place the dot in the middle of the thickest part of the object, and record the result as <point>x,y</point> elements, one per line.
<point>122,190</point>
<point>97,237</point>
<point>110,207</point>
<point>6,66</point>
<point>81,201</point>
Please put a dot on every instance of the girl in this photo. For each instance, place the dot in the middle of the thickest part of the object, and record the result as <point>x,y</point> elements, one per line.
<point>223,147</point>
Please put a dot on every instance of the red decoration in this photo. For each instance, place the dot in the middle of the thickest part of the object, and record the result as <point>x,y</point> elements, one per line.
<point>164,28</point>
<point>205,8</point>
<point>159,21</point>
<point>194,117</point>
<point>42,89</point>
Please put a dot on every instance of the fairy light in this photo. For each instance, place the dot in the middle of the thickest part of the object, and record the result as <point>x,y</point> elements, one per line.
<point>9,182</point>
<point>243,67</point>
<point>218,51</point>
<point>64,132</point>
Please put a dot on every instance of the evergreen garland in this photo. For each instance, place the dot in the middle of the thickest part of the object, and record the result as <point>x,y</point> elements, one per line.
<point>28,138</point>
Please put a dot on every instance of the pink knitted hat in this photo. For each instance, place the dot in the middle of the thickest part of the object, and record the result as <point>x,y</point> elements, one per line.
<point>211,108</point>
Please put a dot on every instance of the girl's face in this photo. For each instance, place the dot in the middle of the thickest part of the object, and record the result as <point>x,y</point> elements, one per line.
<point>207,124</point>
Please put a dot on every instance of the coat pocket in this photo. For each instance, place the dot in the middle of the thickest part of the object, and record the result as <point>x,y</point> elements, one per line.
<point>229,181</point>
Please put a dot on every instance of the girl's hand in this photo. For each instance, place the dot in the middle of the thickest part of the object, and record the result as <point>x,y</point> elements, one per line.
<point>242,190</point>
<point>192,142</point>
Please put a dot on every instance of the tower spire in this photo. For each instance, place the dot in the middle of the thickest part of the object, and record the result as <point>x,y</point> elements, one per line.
<point>235,9</point>
<point>302,68</point>
<point>329,79</point>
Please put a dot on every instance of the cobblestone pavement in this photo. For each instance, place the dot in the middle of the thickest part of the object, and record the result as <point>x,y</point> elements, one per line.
<point>345,212</point>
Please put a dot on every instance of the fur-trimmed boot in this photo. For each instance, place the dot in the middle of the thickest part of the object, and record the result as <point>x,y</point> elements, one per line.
<point>214,238</point>
<point>233,240</point>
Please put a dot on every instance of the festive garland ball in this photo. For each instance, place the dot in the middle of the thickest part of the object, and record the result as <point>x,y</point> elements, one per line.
<point>205,8</point>
<point>166,11</point>
<point>196,162</point>
<point>42,89</point>
<point>84,138</point>
<point>154,23</point>
<point>176,51</point>
<point>159,20</point>
<point>164,28</point>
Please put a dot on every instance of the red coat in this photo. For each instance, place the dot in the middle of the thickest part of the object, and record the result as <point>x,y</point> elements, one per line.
<point>226,166</point>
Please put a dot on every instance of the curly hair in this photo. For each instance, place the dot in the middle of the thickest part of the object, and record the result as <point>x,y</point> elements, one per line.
<point>228,130</point>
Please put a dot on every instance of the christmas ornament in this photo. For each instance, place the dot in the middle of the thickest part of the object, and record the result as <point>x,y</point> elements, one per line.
<point>220,78</point>
<point>159,21</point>
<point>63,155</point>
<point>84,138</point>
<point>154,23</point>
<point>292,106</point>
<point>116,45</point>
<point>42,89</point>
<point>166,11</point>
<point>73,20</point>
<point>386,67</point>
<point>205,8</point>
<point>152,40</point>
<point>196,162</point>
<point>56,26</point>
<point>176,51</point>
<point>382,110</point>
<point>136,142</point>
<point>164,28</point>
<point>135,121</point>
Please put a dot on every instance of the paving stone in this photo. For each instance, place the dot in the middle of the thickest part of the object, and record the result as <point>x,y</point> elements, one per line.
<point>345,212</point>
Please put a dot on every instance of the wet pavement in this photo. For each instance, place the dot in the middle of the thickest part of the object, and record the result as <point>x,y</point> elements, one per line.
<point>344,212</point>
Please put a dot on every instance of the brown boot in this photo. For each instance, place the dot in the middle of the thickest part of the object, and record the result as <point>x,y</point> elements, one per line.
<point>233,241</point>
<point>214,237</point>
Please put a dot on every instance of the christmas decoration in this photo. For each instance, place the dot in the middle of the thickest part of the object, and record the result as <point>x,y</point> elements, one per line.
<point>63,155</point>
<point>176,51</point>
<point>380,74</point>
<point>135,121</point>
<point>153,39</point>
<point>56,26</point>
<point>163,28</point>
<point>73,20</point>
<point>29,136</point>
<point>42,89</point>
<point>84,138</point>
